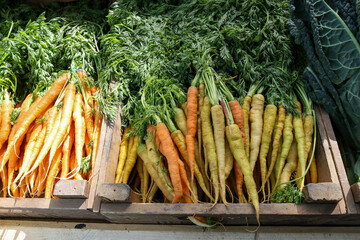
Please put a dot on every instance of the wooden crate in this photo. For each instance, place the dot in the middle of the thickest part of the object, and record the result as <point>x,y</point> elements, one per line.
<point>76,198</point>
<point>120,207</point>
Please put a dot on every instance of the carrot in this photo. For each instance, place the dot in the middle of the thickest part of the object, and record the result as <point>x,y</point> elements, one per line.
<point>153,148</point>
<point>191,124</point>
<point>218,120</point>
<point>238,151</point>
<point>287,141</point>
<point>122,155</point>
<point>229,159</point>
<point>87,108</point>
<point>54,170</point>
<point>144,152</point>
<point>256,119</point>
<point>67,109</point>
<point>239,179</point>
<point>32,181</point>
<point>66,150</point>
<point>6,110</point>
<point>96,142</point>
<point>184,108</point>
<point>238,116</point>
<point>270,117</point>
<point>3,173</point>
<point>198,144</point>
<point>146,183</point>
<point>179,141</point>
<point>184,183</point>
<point>139,169</point>
<point>22,189</point>
<point>277,136</point>
<point>209,145</point>
<point>170,153</point>
<point>34,111</point>
<point>313,172</point>
<point>300,139</point>
<point>246,112</point>
<point>180,120</point>
<point>130,161</point>
<point>80,129</point>
<point>74,166</point>
<point>290,166</point>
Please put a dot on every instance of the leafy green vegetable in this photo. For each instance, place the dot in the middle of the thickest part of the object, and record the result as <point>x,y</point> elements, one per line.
<point>333,51</point>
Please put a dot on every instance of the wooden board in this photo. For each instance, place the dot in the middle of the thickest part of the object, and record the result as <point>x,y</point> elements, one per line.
<point>233,214</point>
<point>351,207</point>
<point>46,208</point>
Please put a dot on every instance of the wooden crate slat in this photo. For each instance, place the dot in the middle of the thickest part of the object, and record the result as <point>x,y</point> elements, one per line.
<point>103,151</point>
<point>233,214</point>
<point>113,156</point>
<point>339,165</point>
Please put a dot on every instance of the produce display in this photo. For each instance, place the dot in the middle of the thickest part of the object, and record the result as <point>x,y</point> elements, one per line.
<point>216,96</point>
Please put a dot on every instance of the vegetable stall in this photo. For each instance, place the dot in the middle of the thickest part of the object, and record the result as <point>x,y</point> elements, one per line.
<point>202,110</point>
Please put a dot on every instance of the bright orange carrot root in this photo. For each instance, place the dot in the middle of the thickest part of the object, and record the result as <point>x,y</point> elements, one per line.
<point>191,126</point>
<point>172,156</point>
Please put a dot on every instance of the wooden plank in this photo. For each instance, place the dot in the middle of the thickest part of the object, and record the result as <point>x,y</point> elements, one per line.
<point>72,189</point>
<point>113,157</point>
<point>339,165</point>
<point>102,165</point>
<point>98,163</point>
<point>234,214</point>
<point>46,208</point>
<point>326,166</point>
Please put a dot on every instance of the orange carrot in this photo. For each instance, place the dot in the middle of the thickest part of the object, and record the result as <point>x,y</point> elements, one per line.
<point>6,110</point>
<point>172,156</point>
<point>65,121</point>
<point>87,108</point>
<point>54,170</point>
<point>69,140</point>
<point>80,130</point>
<point>191,123</point>
<point>95,144</point>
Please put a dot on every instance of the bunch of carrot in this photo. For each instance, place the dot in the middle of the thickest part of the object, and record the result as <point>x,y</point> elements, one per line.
<point>55,136</point>
<point>212,148</point>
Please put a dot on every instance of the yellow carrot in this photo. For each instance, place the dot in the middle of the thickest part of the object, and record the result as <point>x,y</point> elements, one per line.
<point>256,119</point>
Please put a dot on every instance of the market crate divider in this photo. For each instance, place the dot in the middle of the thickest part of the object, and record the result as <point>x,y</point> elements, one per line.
<point>348,191</point>
<point>120,208</point>
<point>75,206</point>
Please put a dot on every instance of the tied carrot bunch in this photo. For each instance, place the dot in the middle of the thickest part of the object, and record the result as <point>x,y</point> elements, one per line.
<point>54,136</point>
